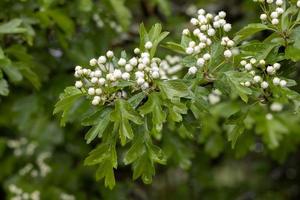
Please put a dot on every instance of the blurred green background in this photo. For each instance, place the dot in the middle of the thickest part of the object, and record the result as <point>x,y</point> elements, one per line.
<point>41,43</point>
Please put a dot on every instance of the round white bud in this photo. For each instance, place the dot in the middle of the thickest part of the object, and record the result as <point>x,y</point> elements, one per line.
<point>283,83</point>
<point>133,61</point>
<point>263,17</point>
<point>189,50</point>
<point>98,91</point>
<point>200,62</point>
<point>94,80</point>
<point>192,70</point>
<point>206,56</point>
<point>110,54</point>
<point>136,50</point>
<point>97,73</point>
<point>101,81</point>
<point>91,91</point>
<point>122,62</point>
<point>155,74</point>
<point>102,60</point>
<point>257,79</point>
<point>227,53</point>
<point>275,21</point>
<point>125,76</point>
<point>264,85</point>
<point>93,62</point>
<point>276,66</point>
<point>148,45</point>
<point>140,81</point>
<point>128,67</point>
<point>276,81</point>
<point>227,27</point>
<point>117,73</point>
<point>248,66</point>
<point>78,84</point>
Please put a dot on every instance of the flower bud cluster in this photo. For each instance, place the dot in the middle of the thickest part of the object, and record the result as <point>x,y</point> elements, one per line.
<point>273,9</point>
<point>263,75</point>
<point>19,194</point>
<point>107,72</point>
<point>22,147</point>
<point>206,30</point>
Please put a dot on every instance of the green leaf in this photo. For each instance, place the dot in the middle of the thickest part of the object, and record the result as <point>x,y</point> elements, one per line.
<point>250,30</point>
<point>67,100</point>
<point>174,47</point>
<point>62,20</point>
<point>13,26</point>
<point>271,130</point>
<point>135,100</point>
<point>292,51</point>
<point>154,106</point>
<point>232,80</point>
<point>103,120</point>
<point>136,150</point>
<point>13,73</point>
<point>121,11</point>
<point>174,89</point>
<point>121,116</point>
<point>4,91</point>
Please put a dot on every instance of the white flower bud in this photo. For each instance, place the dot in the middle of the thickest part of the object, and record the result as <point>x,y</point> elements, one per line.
<point>298,4</point>
<point>276,107</point>
<point>257,79</point>
<point>125,76</point>
<point>275,21</point>
<point>200,62</point>
<point>101,60</point>
<point>262,62</point>
<point>211,32</point>
<point>93,62</point>
<point>95,101</point>
<point>186,32</point>
<point>270,70</point>
<point>248,66</point>
<point>194,21</point>
<point>145,86</point>
<point>91,91</point>
<point>264,85</point>
<point>122,62</point>
<point>243,62</point>
<point>101,81</point>
<point>148,45</point>
<point>227,27</point>
<point>192,70</point>
<point>117,73</point>
<point>276,81</point>
<point>247,84</point>
<point>227,53</point>
<point>263,17</point>
<point>136,50</point>
<point>222,14</point>
<point>279,2</point>
<point>155,74</point>
<point>98,91</point>
<point>189,50</point>
<point>276,66</point>
<point>78,84</point>
<point>94,80</point>
<point>97,73</point>
<point>274,15</point>
<point>230,43</point>
<point>140,81</point>
<point>269,116</point>
<point>206,56</point>
<point>133,61</point>
<point>110,54</point>
<point>283,83</point>
<point>77,68</point>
